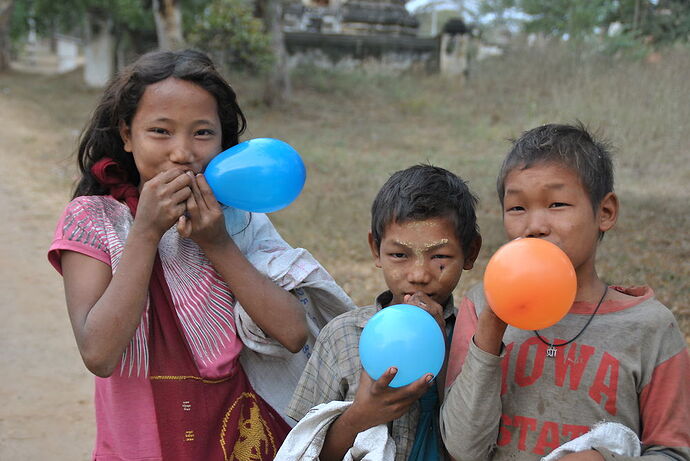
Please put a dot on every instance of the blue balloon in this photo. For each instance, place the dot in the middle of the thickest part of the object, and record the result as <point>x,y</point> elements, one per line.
<point>260,175</point>
<point>402,336</point>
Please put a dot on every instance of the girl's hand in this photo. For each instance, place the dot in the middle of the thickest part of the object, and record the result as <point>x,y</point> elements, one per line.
<point>377,403</point>
<point>162,201</point>
<point>204,221</point>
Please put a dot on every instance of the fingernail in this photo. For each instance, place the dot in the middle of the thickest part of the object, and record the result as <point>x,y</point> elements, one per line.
<point>393,370</point>
<point>429,378</point>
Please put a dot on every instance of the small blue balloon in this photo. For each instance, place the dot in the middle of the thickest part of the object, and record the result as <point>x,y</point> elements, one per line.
<point>260,175</point>
<point>403,336</point>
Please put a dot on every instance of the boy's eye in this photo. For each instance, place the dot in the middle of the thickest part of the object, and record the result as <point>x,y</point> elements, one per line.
<point>557,204</point>
<point>440,257</point>
<point>396,255</point>
<point>515,208</point>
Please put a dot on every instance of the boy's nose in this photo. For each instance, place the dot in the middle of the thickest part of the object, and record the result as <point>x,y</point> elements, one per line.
<point>537,225</point>
<point>419,273</point>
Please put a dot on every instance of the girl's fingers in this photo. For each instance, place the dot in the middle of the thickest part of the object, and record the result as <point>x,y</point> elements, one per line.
<point>192,207</point>
<point>181,196</point>
<point>170,176</point>
<point>206,192</point>
<point>196,192</point>
<point>184,226</point>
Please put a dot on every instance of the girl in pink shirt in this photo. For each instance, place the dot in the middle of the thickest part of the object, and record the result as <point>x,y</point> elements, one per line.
<point>153,278</point>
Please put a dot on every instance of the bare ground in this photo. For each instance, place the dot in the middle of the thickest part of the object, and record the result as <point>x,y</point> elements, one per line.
<point>46,392</point>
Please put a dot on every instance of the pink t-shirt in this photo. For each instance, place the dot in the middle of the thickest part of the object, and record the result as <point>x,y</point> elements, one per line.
<point>97,226</point>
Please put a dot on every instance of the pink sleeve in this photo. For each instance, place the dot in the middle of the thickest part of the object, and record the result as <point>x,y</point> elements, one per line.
<point>80,229</point>
<point>665,403</point>
<point>465,326</point>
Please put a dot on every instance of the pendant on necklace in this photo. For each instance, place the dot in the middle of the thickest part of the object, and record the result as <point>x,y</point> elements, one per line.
<point>551,351</point>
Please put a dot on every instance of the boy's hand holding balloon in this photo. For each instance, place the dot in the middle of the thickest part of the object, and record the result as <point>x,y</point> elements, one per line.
<point>424,301</point>
<point>377,402</point>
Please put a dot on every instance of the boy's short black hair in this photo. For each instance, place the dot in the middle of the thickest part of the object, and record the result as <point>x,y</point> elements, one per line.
<point>423,192</point>
<point>573,146</point>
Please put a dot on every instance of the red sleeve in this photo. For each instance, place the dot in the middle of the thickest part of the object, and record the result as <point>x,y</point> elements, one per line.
<point>665,403</point>
<point>465,326</point>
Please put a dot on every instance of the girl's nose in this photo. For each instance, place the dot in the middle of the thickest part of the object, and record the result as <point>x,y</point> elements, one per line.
<point>537,225</point>
<point>182,152</point>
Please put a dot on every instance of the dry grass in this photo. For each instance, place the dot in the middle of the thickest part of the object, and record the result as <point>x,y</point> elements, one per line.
<point>354,129</point>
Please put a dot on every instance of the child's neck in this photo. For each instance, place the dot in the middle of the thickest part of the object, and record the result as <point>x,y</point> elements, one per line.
<point>589,287</point>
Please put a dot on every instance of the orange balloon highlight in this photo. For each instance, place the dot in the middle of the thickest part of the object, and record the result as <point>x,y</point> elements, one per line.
<point>530,283</point>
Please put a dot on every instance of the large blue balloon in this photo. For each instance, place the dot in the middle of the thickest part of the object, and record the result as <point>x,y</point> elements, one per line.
<point>403,336</point>
<point>260,175</point>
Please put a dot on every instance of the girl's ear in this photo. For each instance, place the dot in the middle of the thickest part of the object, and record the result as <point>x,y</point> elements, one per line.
<point>472,253</point>
<point>126,135</point>
<point>375,250</point>
<point>608,212</point>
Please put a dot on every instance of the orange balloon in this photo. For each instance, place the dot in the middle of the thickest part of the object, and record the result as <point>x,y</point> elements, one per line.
<point>530,283</point>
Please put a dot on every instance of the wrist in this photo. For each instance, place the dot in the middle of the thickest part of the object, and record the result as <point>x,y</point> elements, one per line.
<point>224,246</point>
<point>351,421</point>
<point>145,235</point>
<point>489,333</point>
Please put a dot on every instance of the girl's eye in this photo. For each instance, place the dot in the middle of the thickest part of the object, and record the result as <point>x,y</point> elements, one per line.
<point>158,130</point>
<point>205,132</point>
<point>515,208</point>
<point>557,205</point>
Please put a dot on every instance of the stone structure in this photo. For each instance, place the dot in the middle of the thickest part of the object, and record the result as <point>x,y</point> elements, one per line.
<point>353,17</point>
<point>356,33</point>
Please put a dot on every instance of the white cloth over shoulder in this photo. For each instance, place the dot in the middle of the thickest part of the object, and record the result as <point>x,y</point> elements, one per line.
<point>273,370</point>
<point>615,437</point>
<point>306,439</point>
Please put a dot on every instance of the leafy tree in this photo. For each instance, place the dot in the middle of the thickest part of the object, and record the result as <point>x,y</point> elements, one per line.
<point>228,30</point>
<point>663,21</point>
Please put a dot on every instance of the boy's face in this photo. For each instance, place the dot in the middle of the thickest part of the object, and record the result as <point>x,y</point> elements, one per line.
<point>421,256</point>
<point>549,201</point>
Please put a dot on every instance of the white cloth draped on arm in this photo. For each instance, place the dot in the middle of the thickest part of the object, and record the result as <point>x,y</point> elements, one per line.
<point>306,439</point>
<point>273,370</point>
<point>615,437</point>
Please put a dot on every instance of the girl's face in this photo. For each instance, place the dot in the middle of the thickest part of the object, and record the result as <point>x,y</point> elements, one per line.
<point>176,124</point>
<point>548,201</point>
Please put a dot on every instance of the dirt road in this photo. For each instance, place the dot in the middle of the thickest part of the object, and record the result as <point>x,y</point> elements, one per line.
<point>46,392</point>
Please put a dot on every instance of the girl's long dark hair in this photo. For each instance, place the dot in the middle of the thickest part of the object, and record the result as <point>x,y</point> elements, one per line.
<point>101,137</point>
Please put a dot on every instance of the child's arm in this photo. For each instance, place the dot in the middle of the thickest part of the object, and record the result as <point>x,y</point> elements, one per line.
<point>275,311</point>
<point>375,403</point>
<point>471,411</point>
<point>105,309</point>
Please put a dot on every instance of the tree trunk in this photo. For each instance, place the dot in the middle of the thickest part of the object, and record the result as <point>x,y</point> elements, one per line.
<point>99,51</point>
<point>6,7</point>
<point>277,88</point>
<point>168,17</point>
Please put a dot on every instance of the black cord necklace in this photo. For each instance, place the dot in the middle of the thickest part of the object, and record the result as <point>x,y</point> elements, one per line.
<point>551,350</point>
